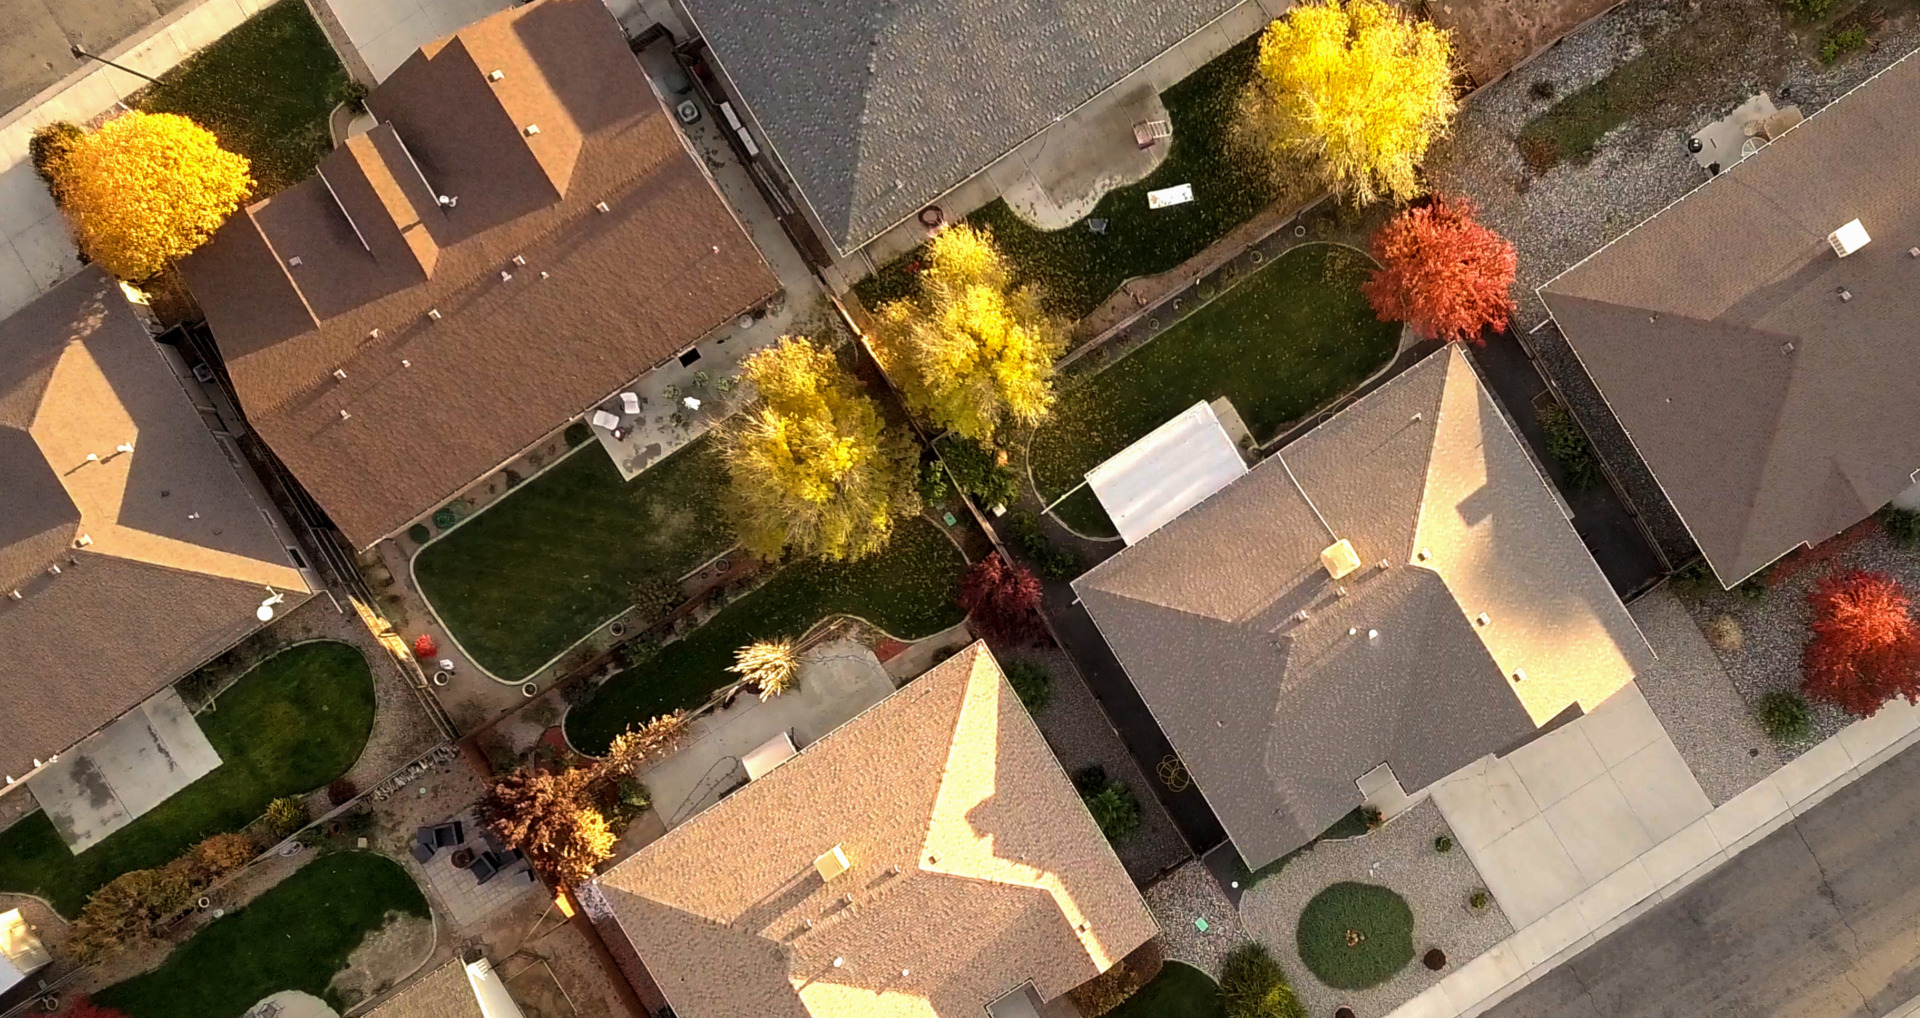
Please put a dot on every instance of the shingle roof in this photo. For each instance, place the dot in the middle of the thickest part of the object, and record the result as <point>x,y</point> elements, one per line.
<point>443,993</point>
<point>876,107</point>
<point>177,556</point>
<point>974,869</point>
<point>1276,715</point>
<point>1760,400</point>
<point>340,271</point>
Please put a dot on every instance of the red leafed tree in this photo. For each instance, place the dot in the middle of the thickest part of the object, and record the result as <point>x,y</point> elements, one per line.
<point>1442,272</point>
<point>81,1007</point>
<point>1002,600</point>
<point>1865,649</point>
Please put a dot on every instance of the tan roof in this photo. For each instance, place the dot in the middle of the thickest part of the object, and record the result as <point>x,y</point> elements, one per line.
<point>1314,681</point>
<point>163,554</point>
<point>1767,407</point>
<point>974,868</point>
<point>338,273</point>
<point>443,993</point>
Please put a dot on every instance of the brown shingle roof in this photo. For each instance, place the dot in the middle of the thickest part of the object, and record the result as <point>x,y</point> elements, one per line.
<point>1425,476</point>
<point>178,556</point>
<point>974,869</point>
<point>433,405</point>
<point>443,993</point>
<point>1760,400</point>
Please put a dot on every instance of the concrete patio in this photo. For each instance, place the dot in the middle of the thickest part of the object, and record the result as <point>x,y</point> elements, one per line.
<point>124,770</point>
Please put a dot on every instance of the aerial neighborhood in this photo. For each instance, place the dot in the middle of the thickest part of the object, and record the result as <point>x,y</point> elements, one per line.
<point>1017,509</point>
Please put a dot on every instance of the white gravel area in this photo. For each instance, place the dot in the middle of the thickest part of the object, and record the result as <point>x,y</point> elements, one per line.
<point>1697,704</point>
<point>1400,855</point>
<point>1187,894</point>
<point>1773,626</point>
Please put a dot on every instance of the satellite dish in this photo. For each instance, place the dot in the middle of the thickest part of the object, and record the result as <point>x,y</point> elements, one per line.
<point>264,613</point>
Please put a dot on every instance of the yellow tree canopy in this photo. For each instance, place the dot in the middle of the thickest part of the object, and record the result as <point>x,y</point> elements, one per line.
<point>1358,86</point>
<point>972,350</point>
<point>812,466</point>
<point>147,188</point>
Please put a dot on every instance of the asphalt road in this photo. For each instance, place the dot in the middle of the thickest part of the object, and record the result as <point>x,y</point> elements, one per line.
<point>1819,920</point>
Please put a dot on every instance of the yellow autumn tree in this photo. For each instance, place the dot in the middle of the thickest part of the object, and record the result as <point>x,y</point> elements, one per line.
<point>147,188</point>
<point>971,351</point>
<point>1356,86</point>
<point>813,468</point>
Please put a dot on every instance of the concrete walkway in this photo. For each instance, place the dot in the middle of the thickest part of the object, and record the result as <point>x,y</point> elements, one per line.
<point>1669,867</point>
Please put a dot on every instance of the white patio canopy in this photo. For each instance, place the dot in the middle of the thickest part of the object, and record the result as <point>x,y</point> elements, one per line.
<point>1174,468</point>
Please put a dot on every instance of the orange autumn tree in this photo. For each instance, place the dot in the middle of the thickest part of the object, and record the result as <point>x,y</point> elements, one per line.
<point>145,189</point>
<point>1865,648</point>
<point>552,818</point>
<point>1442,272</point>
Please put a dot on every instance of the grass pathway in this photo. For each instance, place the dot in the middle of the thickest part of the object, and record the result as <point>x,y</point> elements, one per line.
<point>293,937</point>
<point>1288,339</point>
<point>910,590</point>
<point>293,723</point>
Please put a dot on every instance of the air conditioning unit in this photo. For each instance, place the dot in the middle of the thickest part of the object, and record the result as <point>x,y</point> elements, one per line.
<point>1848,239</point>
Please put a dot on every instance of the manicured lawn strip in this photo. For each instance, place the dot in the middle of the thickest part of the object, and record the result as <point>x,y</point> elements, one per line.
<point>292,724</point>
<point>1286,340</point>
<point>264,89</point>
<point>293,937</point>
<point>1078,268</point>
<point>1380,917</point>
<point>544,566</point>
<point>910,590</point>
<point>1179,991</point>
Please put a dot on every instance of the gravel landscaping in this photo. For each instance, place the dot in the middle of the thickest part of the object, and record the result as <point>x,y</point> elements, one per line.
<point>1191,893</point>
<point>1400,856</point>
<point>1697,704</point>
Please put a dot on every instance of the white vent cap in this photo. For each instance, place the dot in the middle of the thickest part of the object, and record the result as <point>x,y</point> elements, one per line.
<point>1848,239</point>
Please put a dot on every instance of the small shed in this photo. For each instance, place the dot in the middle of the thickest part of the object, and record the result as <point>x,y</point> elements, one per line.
<point>1177,466</point>
<point>21,953</point>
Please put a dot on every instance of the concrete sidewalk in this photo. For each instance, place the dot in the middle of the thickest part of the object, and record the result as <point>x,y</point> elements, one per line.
<point>1670,866</point>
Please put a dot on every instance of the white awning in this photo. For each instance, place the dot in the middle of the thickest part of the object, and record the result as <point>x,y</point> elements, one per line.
<point>1175,467</point>
<point>490,993</point>
<point>768,755</point>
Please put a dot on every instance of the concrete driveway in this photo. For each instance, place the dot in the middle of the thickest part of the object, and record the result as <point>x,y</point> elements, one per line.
<point>1558,815</point>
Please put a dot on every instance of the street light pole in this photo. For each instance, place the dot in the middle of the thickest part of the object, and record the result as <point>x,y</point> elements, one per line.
<point>80,54</point>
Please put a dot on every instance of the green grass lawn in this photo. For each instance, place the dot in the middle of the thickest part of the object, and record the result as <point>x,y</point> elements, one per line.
<point>1288,339</point>
<point>1077,268</point>
<point>549,563</point>
<point>293,937</point>
<point>292,724</point>
<point>1377,916</point>
<point>910,590</point>
<point>1179,991</point>
<point>264,89</point>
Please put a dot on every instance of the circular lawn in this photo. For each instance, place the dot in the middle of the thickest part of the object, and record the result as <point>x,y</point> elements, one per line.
<point>1352,936</point>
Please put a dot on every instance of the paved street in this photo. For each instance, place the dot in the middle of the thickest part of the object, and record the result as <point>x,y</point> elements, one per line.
<point>1819,920</point>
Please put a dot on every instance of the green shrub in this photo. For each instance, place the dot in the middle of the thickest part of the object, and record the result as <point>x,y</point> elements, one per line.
<point>1903,525</point>
<point>419,534</point>
<point>286,815</point>
<point>1810,10</point>
<point>1089,779</point>
<point>979,472</point>
<point>577,434</point>
<point>1050,560</point>
<point>130,910</point>
<point>1567,444</point>
<point>1252,985</point>
<point>1784,716</point>
<point>654,599</point>
<point>1839,43</point>
<point>934,488</point>
<point>1115,809</point>
<point>639,651</point>
<point>50,144</point>
<point>1478,900</point>
<point>1030,683</point>
<point>1354,935</point>
<point>1443,844</point>
<point>1695,580</point>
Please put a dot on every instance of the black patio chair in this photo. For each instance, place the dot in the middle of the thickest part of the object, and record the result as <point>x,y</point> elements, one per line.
<point>447,835</point>
<point>484,868</point>
<point>424,839</point>
<point>421,853</point>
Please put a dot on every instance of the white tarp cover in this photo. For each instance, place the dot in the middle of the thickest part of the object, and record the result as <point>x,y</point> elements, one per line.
<point>490,992</point>
<point>1174,468</point>
<point>768,755</point>
<point>21,953</point>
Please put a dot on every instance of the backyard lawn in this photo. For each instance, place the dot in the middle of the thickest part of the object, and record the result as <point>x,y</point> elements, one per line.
<point>1078,269</point>
<point>910,590</point>
<point>264,89</point>
<point>1288,339</point>
<point>293,937</point>
<point>1179,991</point>
<point>292,724</point>
<point>536,571</point>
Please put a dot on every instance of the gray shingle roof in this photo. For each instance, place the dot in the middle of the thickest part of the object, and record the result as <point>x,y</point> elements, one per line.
<point>1276,716</point>
<point>876,107</point>
<point>1685,323</point>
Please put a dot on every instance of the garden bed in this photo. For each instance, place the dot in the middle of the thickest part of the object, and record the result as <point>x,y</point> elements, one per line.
<point>292,724</point>
<point>265,90</point>
<point>556,558</point>
<point>295,936</point>
<point>910,590</point>
<point>1288,339</point>
<point>1077,268</point>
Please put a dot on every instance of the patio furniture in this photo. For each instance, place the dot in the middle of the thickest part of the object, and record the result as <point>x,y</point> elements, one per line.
<point>1146,132</point>
<point>421,853</point>
<point>448,835</point>
<point>484,868</point>
<point>604,421</point>
<point>424,838</point>
<point>630,402</point>
<point>462,858</point>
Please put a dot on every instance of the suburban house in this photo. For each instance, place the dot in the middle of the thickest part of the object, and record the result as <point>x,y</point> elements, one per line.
<point>1755,339</point>
<point>457,989</point>
<point>1387,599</point>
<point>929,857</point>
<point>870,113</point>
<point>523,233</point>
<point>132,548</point>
